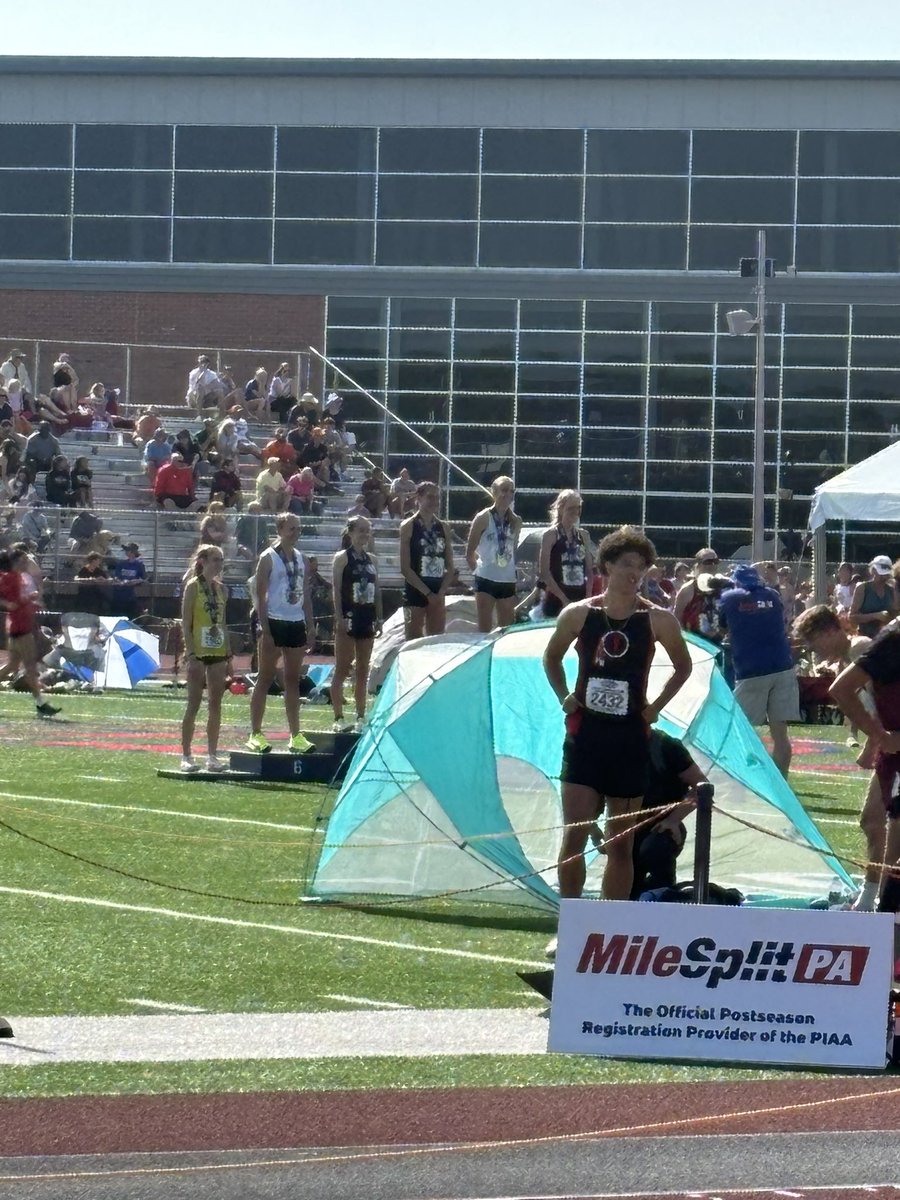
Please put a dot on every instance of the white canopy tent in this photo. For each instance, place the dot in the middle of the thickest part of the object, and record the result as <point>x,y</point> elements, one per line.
<point>868,491</point>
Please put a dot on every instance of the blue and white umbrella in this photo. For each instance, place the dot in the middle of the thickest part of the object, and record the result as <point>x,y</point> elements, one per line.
<point>131,654</point>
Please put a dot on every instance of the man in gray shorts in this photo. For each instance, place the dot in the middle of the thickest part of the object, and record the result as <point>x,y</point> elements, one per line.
<point>766,684</point>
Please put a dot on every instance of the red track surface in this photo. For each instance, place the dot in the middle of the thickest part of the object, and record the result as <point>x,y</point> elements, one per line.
<point>108,1124</point>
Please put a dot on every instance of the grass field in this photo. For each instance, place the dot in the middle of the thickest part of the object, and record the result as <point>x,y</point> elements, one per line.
<point>77,938</point>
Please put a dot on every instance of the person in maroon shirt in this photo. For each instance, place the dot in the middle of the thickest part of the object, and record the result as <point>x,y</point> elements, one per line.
<point>173,486</point>
<point>17,598</point>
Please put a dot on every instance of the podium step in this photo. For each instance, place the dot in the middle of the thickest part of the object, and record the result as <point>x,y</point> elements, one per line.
<point>328,760</point>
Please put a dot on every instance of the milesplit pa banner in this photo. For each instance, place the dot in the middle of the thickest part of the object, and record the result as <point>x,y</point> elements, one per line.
<point>698,982</point>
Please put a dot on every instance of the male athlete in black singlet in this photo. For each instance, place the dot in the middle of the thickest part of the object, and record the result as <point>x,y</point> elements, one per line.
<point>608,716</point>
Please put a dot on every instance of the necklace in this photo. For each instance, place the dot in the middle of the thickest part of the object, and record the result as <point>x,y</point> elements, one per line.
<point>292,570</point>
<point>615,642</point>
<point>211,604</point>
<point>502,530</point>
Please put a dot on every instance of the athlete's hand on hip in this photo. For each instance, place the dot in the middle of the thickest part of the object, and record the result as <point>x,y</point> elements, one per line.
<point>571,703</point>
<point>650,714</point>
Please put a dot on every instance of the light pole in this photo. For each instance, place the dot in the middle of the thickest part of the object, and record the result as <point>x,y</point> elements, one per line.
<point>740,321</point>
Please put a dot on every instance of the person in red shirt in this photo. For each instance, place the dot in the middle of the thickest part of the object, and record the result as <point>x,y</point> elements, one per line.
<point>173,485</point>
<point>17,599</point>
<point>279,447</point>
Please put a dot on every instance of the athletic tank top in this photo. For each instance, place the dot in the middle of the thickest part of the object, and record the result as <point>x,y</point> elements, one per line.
<point>567,563</point>
<point>358,583</point>
<point>210,640</point>
<point>496,551</point>
<point>285,594</point>
<point>614,660</point>
<point>428,550</point>
<point>701,614</point>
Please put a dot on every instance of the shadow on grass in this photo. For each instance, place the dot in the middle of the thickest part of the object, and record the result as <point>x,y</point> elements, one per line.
<point>467,918</point>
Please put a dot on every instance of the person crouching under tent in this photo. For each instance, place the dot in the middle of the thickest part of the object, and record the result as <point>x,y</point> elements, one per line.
<point>607,714</point>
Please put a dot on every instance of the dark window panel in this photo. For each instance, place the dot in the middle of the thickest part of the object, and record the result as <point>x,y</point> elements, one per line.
<point>615,315</point>
<point>811,448</point>
<point>678,444</point>
<point>614,380</point>
<point>548,474</point>
<point>484,377</point>
<point>370,376</point>
<point>355,343</point>
<point>731,512</point>
<point>420,343</point>
<point>404,443</point>
<point>805,480</point>
<point>817,352</point>
<point>419,377</point>
<point>875,352</point>
<point>223,241</point>
<point>743,152</point>
<point>420,311</point>
<point>224,147</point>
<point>756,201</point>
<point>428,197</point>
<point>870,250</point>
<point>605,476</point>
<point>863,445</point>
<point>849,152</point>
<point>530,198</point>
<point>734,447</point>
<point>325,148</point>
<point>680,381</point>
<point>549,377</point>
<point>873,418</point>
<point>637,151</point>
<point>550,347</point>
<point>733,412</point>
<point>199,194</point>
<point>34,237</point>
<point>543,151</point>
<point>876,319</point>
<point>721,247</point>
<point>848,202</point>
<point>425,410</point>
<point>735,381</point>
<point>325,196</point>
<point>875,385</point>
<point>133,146</point>
<point>811,384</point>
<point>800,414</point>
<point>339,242</point>
<point>124,193</point>
<point>356,310</point>
<point>681,348</point>
<point>122,239</point>
<point>485,314</point>
<point>673,410</point>
<point>736,351</point>
<point>546,428</point>
<point>635,247</point>
<point>636,200</point>
<point>482,408</point>
<point>667,511</point>
<point>34,192</point>
<point>482,439</point>
<point>35,145</point>
<point>816,318</point>
<point>615,347</point>
<point>612,443</point>
<point>428,150</point>
<point>673,317</point>
<point>530,245</point>
<point>425,244</point>
<point>550,314</point>
<point>676,477</point>
<point>609,512</point>
<point>610,411</point>
<point>732,478</point>
<point>498,345</point>
<point>464,501</point>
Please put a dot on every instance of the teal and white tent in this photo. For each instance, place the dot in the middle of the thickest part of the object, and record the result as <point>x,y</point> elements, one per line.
<point>454,788</point>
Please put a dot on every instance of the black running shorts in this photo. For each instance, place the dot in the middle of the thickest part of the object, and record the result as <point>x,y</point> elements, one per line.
<point>288,635</point>
<point>607,754</point>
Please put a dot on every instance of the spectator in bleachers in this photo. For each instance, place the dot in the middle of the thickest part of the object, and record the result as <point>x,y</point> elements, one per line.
<point>333,407</point>
<point>104,405</point>
<point>226,484</point>
<point>206,440</point>
<point>230,443</point>
<point>376,491</point>
<point>145,426</point>
<point>272,491</point>
<point>256,393</point>
<point>6,412</point>
<point>338,450</point>
<point>299,436</point>
<point>279,447</point>
<point>185,445</point>
<point>81,483</point>
<point>21,488</point>
<point>129,572</point>
<point>303,487</point>
<point>57,482</point>
<point>281,392</point>
<point>842,596</point>
<point>8,433</point>
<point>214,526</point>
<point>875,601</point>
<point>252,532</point>
<point>203,389</point>
<point>10,463</point>
<point>310,407</point>
<point>157,452</point>
<point>92,595</point>
<point>34,528</point>
<point>40,449</point>
<point>173,485</point>
<point>65,381</point>
<point>358,507</point>
<point>86,534</point>
<point>14,368</point>
<point>230,393</point>
<point>402,500</point>
<point>315,455</point>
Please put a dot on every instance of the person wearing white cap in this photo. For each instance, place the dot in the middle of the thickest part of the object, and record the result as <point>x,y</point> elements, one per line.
<point>874,601</point>
<point>14,368</point>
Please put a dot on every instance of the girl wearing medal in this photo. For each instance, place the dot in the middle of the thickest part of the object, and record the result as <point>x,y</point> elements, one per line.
<point>607,713</point>
<point>357,603</point>
<point>426,564</point>
<point>491,554</point>
<point>206,652</point>
<point>566,564</point>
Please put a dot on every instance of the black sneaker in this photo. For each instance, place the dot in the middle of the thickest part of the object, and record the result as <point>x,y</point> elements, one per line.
<point>5,1028</point>
<point>47,710</point>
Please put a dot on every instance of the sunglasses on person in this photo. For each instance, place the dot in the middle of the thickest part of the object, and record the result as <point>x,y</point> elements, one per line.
<point>708,562</point>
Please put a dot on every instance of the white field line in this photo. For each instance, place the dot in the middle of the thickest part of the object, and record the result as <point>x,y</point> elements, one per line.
<point>98,778</point>
<point>834,776</point>
<point>362,1000</point>
<point>176,914</point>
<point>185,1008</point>
<point>165,812</point>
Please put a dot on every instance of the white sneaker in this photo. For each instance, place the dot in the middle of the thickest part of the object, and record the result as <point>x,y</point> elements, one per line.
<point>188,765</point>
<point>342,726</point>
<point>550,949</point>
<point>215,764</point>
<point>359,724</point>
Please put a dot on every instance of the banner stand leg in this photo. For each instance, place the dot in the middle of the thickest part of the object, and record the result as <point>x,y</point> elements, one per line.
<point>702,838</point>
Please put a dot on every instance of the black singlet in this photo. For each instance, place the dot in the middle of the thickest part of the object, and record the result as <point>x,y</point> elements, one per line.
<point>568,558</point>
<point>358,583</point>
<point>428,551</point>
<point>614,658</point>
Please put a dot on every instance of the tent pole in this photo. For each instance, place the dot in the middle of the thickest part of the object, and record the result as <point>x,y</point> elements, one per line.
<point>702,838</point>
<point>818,565</point>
